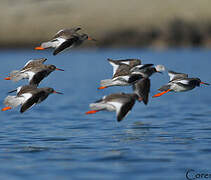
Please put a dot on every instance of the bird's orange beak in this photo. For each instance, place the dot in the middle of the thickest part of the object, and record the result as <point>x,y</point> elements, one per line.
<point>59,69</point>
<point>55,92</point>
<point>204,83</point>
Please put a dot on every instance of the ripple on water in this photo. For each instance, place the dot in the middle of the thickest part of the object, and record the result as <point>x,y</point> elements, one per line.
<point>29,149</point>
<point>53,139</point>
<point>205,150</point>
<point>124,158</point>
<point>57,139</point>
<point>143,125</point>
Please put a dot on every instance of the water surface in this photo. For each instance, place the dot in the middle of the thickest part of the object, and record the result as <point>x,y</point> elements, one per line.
<point>56,140</point>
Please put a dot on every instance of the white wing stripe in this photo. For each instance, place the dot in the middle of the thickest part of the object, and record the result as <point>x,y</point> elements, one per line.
<point>125,62</point>
<point>30,75</point>
<point>117,105</point>
<point>115,67</point>
<point>183,82</point>
<point>28,63</point>
<point>171,75</point>
<point>26,96</point>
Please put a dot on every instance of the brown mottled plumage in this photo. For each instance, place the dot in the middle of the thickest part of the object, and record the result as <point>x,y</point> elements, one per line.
<point>121,103</point>
<point>34,70</point>
<point>27,96</point>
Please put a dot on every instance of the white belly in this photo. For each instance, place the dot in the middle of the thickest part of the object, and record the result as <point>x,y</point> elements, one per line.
<point>102,106</point>
<point>178,88</point>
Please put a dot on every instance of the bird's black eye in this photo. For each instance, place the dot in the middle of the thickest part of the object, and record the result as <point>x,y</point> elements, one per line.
<point>52,67</point>
<point>51,90</point>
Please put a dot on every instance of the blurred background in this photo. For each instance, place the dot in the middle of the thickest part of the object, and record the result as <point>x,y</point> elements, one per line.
<point>115,23</point>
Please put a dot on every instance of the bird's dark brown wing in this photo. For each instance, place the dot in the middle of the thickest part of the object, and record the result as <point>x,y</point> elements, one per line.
<point>63,33</point>
<point>135,62</point>
<point>26,89</point>
<point>134,78</point>
<point>142,88</point>
<point>122,70</point>
<point>39,76</point>
<point>164,87</point>
<point>65,45</point>
<point>34,63</point>
<point>125,109</point>
<point>31,101</point>
<point>130,62</point>
<point>67,33</point>
<point>145,66</point>
<point>175,75</point>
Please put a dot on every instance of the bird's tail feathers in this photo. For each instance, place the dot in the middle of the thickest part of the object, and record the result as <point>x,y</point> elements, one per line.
<point>13,101</point>
<point>17,76</point>
<point>107,82</point>
<point>49,44</point>
<point>164,88</point>
<point>13,73</point>
<point>97,106</point>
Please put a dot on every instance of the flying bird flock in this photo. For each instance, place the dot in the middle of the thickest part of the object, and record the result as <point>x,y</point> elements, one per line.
<point>126,72</point>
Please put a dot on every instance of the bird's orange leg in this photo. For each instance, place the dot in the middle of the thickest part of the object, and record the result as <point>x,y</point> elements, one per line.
<point>7,78</point>
<point>39,48</point>
<point>6,108</point>
<point>102,87</point>
<point>162,93</point>
<point>91,112</point>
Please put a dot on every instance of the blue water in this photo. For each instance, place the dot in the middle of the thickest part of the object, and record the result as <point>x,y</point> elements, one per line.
<point>56,140</point>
